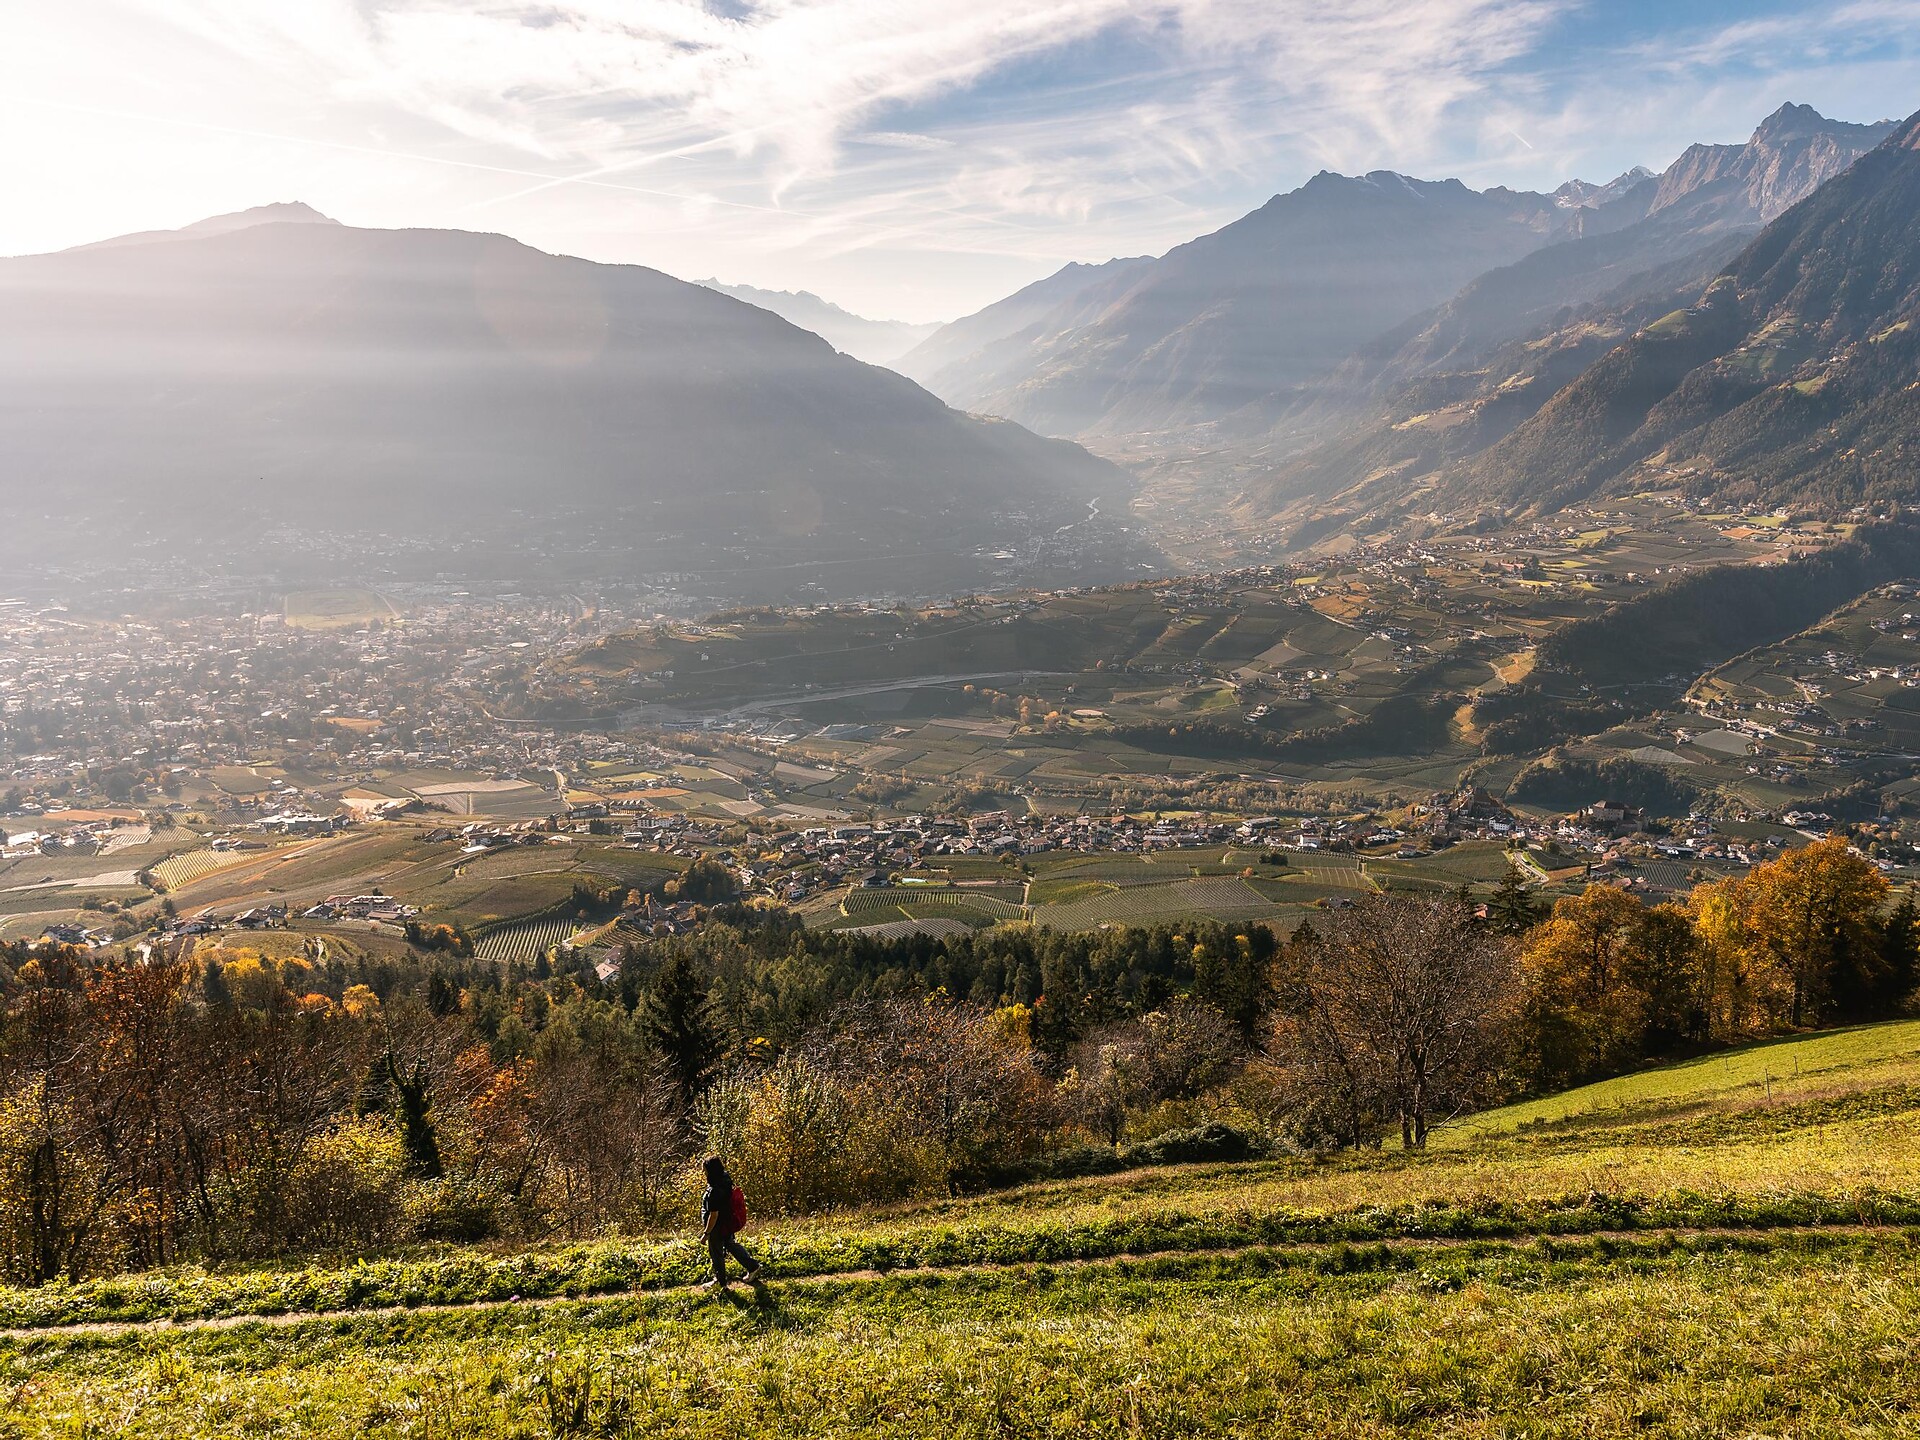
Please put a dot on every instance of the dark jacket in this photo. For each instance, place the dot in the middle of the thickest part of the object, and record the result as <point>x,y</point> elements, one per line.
<point>718,1202</point>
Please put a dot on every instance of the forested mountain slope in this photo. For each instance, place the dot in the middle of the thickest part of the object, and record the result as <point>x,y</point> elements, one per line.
<point>466,389</point>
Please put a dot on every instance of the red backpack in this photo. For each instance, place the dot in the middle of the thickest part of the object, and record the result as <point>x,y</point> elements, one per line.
<point>739,1208</point>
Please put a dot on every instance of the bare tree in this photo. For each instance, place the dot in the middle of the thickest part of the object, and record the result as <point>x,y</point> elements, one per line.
<point>606,1129</point>
<point>1394,1011</point>
<point>1177,1052</point>
<point>944,1078</point>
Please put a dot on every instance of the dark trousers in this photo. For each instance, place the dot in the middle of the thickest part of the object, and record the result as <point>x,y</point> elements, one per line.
<point>719,1247</point>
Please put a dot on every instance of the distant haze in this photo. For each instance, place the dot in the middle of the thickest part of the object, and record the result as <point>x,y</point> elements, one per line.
<point>878,342</point>
<point>279,380</point>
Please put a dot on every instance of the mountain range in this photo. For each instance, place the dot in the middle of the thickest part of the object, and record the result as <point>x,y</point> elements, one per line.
<point>1266,304</point>
<point>1279,325</point>
<point>1524,392</point>
<point>275,374</point>
<point>276,389</point>
<point>1453,381</point>
<point>878,342</point>
<point>1792,378</point>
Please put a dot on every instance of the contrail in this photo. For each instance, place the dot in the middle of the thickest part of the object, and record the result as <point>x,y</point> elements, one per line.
<point>589,178</point>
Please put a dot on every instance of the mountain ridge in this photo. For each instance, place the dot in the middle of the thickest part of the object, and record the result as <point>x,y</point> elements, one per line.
<point>985,339</point>
<point>279,212</point>
<point>878,342</point>
<point>1212,325</point>
<point>1461,378</point>
<point>1791,379</point>
<point>464,390</point>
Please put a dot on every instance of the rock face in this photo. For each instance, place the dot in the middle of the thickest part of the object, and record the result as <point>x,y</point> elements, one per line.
<point>1581,195</point>
<point>463,392</point>
<point>1411,411</point>
<point>1792,153</point>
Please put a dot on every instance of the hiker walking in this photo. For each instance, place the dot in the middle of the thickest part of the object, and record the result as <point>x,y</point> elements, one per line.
<point>723,1211</point>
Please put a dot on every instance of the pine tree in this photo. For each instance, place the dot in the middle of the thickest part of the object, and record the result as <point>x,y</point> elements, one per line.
<point>1899,956</point>
<point>632,977</point>
<point>411,1102</point>
<point>443,996</point>
<point>213,982</point>
<point>1511,909</point>
<point>678,1016</point>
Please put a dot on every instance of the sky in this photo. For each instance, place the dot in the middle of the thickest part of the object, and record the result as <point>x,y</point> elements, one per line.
<point>907,159</point>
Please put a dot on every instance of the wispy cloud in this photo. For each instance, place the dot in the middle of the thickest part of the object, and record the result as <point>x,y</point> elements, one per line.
<point>789,83</point>
<point>943,147</point>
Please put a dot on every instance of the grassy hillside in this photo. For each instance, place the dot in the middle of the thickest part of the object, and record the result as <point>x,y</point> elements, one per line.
<point>1715,1248</point>
<point>1868,1058</point>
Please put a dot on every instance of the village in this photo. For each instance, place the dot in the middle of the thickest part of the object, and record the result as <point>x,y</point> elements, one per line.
<point>145,757</point>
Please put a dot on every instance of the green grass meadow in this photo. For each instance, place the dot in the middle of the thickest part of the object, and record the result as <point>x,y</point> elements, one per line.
<point>1725,1247</point>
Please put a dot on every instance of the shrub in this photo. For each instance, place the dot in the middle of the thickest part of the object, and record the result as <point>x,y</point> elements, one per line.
<point>1211,1141</point>
<point>783,1133</point>
<point>345,1188</point>
<point>452,1209</point>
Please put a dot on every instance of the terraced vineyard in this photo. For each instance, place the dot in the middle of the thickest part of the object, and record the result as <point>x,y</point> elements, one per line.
<point>935,902</point>
<point>523,943</point>
<point>194,865</point>
<point>901,929</point>
<point>870,900</point>
<point>1119,870</point>
<point>901,903</point>
<point>1337,872</point>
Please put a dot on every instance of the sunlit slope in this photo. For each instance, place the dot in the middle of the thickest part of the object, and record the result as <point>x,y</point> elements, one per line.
<point>1864,1059</point>
<point>1716,1249</point>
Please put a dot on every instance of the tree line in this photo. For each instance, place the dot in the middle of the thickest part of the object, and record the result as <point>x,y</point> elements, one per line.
<point>227,1104</point>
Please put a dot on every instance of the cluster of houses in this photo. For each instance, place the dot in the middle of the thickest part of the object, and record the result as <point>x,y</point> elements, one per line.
<point>210,922</point>
<point>92,937</point>
<point>1606,835</point>
<point>383,908</point>
<point>301,822</point>
<point>78,841</point>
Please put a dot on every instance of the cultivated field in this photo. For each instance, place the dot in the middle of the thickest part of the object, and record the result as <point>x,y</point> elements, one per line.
<point>525,943</point>
<point>1071,891</point>
<point>336,609</point>
<point>1218,898</point>
<point>182,870</point>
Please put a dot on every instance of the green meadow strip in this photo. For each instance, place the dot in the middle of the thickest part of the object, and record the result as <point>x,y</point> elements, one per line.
<point>611,1267</point>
